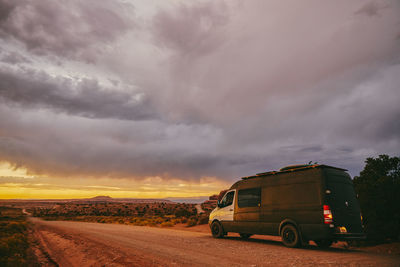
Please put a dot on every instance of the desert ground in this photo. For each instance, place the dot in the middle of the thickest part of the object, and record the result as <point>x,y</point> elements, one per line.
<point>66,243</point>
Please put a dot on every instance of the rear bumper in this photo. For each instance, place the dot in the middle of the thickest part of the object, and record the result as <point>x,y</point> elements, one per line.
<point>349,236</point>
<point>323,231</point>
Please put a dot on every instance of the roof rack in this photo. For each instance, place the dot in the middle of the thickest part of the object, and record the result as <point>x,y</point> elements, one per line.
<point>292,168</point>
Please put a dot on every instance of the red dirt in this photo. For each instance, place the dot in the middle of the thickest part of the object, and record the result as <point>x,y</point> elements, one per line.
<point>93,244</point>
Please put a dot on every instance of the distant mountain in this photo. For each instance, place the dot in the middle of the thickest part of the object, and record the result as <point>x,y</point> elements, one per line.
<point>100,198</point>
<point>85,200</point>
<point>191,200</point>
<point>125,200</point>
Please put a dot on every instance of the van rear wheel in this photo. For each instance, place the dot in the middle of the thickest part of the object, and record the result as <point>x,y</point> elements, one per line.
<point>245,236</point>
<point>324,243</point>
<point>217,230</point>
<point>290,236</point>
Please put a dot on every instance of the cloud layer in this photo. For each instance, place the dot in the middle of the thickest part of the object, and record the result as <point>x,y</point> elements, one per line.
<point>202,89</point>
<point>70,28</point>
<point>82,97</point>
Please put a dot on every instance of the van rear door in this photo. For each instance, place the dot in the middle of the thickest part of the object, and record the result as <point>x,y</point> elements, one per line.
<point>341,198</point>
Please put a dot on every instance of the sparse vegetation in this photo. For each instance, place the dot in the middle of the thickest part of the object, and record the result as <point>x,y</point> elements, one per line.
<point>139,214</point>
<point>192,222</point>
<point>14,242</point>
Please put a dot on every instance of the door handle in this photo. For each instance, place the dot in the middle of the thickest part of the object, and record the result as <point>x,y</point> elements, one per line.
<point>231,210</point>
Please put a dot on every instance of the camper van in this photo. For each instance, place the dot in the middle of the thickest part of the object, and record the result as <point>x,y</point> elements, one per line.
<point>299,203</point>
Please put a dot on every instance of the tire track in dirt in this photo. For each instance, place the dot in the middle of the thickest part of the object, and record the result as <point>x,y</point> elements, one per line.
<point>71,249</point>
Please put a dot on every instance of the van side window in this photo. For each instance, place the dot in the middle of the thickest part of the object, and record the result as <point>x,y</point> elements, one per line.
<point>291,194</point>
<point>249,197</point>
<point>228,199</point>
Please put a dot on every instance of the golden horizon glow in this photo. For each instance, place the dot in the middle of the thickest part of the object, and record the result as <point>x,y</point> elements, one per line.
<point>8,170</point>
<point>16,183</point>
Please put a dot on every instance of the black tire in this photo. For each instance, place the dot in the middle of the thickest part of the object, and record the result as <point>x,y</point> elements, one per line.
<point>324,243</point>
<point>245,236</point>
<point>216,230</point>
<point>290,236</point>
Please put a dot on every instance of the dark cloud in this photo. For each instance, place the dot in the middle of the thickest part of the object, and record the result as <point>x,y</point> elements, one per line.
<point>6,8</point>
<point>264,61</point>
<point>78,147</point>
<point>82,97</point>
<point>371,9</point>
<point>76,29</point>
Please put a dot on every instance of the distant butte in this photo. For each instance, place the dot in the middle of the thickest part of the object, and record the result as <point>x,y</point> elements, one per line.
<point>101,198</point>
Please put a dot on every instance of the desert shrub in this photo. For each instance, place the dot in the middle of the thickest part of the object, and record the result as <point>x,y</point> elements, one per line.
<point>142,223</point>
<point>151,223</point>
<point>13,238</point>
<point>15,227</point>
<point>184,220</point>
<point>159,220</point>
<point>191,222</point>
<point>167,224</point>
<point>3,248</point>
<point>203,219</point>
<point>182,213</point>
<point>17,242</point>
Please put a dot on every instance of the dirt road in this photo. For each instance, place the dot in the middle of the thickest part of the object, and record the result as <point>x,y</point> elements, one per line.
<point>94,244</point>
<point>199,209</point>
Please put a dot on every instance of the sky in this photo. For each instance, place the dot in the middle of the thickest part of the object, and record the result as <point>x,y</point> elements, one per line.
<point>182,98</point>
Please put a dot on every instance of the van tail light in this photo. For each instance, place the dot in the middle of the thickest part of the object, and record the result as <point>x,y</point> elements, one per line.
<point>327,215</point>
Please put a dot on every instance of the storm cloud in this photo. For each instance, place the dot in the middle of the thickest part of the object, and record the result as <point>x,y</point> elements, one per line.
<point>69,28</point>
<point>202,89</point>
<point>83,97</point>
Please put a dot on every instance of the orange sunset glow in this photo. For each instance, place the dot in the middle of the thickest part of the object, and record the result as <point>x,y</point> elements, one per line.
<point>21,185</point>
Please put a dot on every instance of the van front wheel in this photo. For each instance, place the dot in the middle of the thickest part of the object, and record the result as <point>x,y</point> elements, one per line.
<point>216,230</point>
<point>290,236</point>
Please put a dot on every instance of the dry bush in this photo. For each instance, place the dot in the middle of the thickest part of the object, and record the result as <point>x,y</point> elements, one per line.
<point>191,222</point>
<point>167,224</point>
<point>203,219</point>
<point>13,238</point>
<point>159,220</point>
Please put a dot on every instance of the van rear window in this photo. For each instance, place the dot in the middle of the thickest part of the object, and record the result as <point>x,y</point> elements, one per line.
<point>249,197</point>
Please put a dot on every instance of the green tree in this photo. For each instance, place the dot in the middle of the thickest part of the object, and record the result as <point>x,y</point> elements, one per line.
<point>378,189</point>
